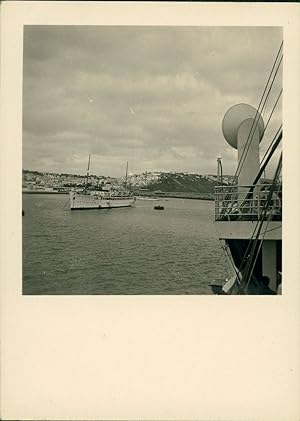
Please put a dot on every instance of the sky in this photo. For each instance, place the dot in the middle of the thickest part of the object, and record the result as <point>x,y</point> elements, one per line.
<point>152,96</point>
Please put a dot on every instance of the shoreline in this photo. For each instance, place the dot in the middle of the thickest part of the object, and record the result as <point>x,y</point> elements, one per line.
<point>166,195</point>
<point>44,192</point>
<point>179,195</point>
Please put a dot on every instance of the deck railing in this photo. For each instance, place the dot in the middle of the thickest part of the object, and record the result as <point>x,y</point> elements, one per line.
<point>247,202</point>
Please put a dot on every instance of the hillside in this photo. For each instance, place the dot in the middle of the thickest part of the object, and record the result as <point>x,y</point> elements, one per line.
<point>180,182</point>
<point>147,183</point>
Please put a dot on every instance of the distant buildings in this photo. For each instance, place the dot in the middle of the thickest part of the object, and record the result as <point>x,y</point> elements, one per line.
<point>153,181</point>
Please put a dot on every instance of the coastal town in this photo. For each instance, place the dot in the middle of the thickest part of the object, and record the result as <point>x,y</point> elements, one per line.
<point>164,183</point>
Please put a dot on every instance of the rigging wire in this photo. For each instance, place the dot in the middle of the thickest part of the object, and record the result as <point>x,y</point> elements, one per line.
<point>226,250</point>
<point>253,256</point>
<point>268,155</point>
<point>256,118</point>
<point>275,143</point>
<point>278,97</point>
<point>254,125</point>
<point>259,109</point>
<point>276,228</point>
<point>254,233</point>
<point>276,140</point>
<point>252,262</point>
<point>273,109</point>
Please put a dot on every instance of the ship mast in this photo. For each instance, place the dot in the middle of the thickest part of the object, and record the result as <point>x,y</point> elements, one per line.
<point>126,177</point>
<point>87,172</point>
<point>219,171</point>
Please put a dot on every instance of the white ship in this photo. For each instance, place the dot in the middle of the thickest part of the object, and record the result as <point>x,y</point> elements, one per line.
<point>104,199</point>
<point>99,200</point>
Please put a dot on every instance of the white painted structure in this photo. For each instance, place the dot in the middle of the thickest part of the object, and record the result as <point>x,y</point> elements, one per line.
<point>99,200</point>
<point>239,208</point>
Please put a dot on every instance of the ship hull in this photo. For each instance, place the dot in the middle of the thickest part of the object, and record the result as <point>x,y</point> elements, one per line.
<point>83,201</point>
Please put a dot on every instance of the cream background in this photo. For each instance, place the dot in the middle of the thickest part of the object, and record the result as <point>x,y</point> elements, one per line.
<point>146,357</point>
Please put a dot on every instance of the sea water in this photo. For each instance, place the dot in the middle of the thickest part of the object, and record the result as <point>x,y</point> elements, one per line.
<point>136,250</point>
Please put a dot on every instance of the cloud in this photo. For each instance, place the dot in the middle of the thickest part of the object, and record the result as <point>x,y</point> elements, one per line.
<point>154,96</point>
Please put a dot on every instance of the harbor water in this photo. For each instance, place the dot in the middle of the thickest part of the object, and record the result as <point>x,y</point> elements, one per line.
<point>135,250</point>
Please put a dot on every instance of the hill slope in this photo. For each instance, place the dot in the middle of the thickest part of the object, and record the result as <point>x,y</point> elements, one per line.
<point>179,182</point>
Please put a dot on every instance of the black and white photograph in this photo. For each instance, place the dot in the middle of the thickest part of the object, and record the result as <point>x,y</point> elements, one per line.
<point>149,178</point>
<point>152,160</point>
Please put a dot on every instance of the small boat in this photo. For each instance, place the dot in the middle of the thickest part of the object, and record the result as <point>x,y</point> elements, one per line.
<point>159,207</point>
<point>147,198</point>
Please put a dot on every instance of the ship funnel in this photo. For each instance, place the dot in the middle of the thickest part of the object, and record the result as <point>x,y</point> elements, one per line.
<point>243,129</point>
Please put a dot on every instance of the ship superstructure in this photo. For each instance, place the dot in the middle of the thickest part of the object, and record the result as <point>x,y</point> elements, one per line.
<point>248,213</point>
